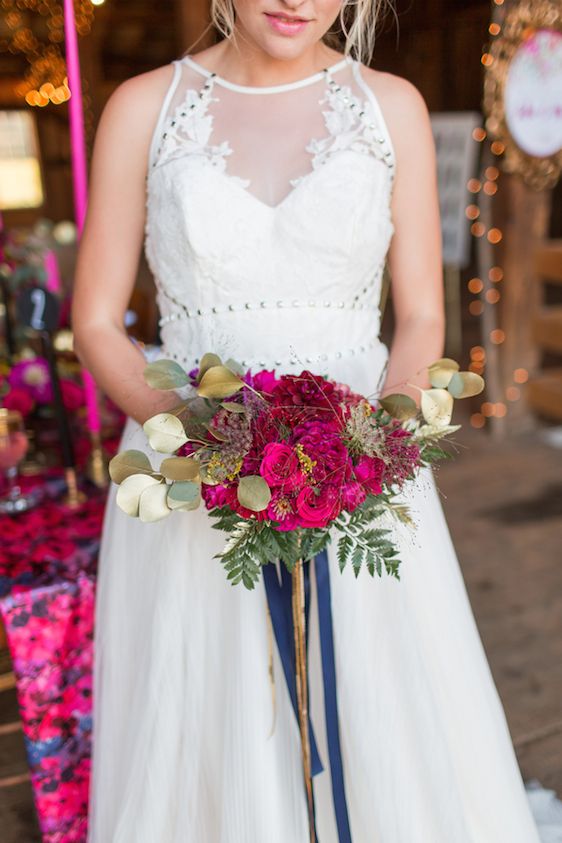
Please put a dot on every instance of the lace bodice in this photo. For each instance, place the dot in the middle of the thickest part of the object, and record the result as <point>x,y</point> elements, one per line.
<point>268,217</point>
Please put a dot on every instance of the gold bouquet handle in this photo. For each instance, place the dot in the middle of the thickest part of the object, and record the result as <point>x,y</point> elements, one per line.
<point>299,624</point>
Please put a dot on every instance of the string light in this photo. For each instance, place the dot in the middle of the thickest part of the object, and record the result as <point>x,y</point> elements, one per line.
<point>495,236</point>
<point>44,82</point>
<point>475,285</point>
<point>497,336</point>
<point>488,293</point>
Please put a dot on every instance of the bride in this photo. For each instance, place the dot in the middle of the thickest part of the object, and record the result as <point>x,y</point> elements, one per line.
<point>268,176</point>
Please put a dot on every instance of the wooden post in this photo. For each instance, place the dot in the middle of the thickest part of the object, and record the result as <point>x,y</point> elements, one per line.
<point>525,227</point>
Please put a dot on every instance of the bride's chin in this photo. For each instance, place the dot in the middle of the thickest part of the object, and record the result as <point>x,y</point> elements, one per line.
<point>280,48</point>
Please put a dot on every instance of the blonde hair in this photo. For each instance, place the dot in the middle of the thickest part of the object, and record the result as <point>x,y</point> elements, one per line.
<point>358,21</point>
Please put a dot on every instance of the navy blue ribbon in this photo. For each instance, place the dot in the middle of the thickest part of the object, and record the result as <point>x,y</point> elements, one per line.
<point>279,593</point>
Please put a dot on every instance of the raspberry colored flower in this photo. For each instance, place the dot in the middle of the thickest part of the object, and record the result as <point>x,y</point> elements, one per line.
<point>305,390</point>
<point>19,399</point>
<point>322,442</point>
<point>317,506</point>
<point>369,473</point>
<point>219,496</point>
<point>33,376</point>
<point>353,494</point>
<point>281,509</point>
<point>280,467</point>
<point>72,395</point>
<point>402,456</point>
<point>264,381</point>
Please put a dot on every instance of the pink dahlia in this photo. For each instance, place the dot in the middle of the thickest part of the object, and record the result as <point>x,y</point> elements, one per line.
<point>321,441</point>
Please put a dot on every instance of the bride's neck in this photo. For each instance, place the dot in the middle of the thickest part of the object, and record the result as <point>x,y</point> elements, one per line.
<point>244,63</point>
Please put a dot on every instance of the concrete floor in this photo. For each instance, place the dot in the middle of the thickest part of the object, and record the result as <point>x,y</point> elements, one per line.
<point>503,501</point>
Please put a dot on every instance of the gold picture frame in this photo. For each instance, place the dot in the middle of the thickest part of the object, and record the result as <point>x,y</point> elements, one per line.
<point>525,22</point>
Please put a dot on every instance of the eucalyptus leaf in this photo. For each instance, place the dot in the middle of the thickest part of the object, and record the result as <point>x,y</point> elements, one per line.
<point>219,382</point>
<point>180,468</point>
<point>466,384</point>
<point>208,361</point>
<point>235,367</point>
<point>202,409</point>
<point>184,495</point>
<point>254,493</point>
<point>153,505</point>
<point>233,407</point>
<point>437,406</point>
<point>165,374</point>
<point>165,433</point>
<point>130,491</point>
<point>399,406</point>
<point>441,372</point>
<point>126,463</point>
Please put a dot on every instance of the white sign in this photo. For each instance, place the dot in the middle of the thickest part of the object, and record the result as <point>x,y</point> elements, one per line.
<point>533,94</point>
<point>457,162</point>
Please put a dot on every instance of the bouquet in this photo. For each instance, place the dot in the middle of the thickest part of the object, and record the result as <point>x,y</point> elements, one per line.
<point>287,464</point>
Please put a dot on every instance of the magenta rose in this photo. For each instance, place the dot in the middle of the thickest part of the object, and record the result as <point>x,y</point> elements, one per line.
<point>369,472</point>
<point>280,467</point>
<point>316,507</point>
<point>264,381</point>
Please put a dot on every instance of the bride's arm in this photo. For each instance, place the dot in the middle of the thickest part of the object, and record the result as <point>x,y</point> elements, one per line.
<point>415,254</point>
<point>111,244</point>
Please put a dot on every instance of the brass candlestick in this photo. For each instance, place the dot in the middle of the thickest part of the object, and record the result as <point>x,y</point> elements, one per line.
<point>97,468</point>
<point>74,497</point>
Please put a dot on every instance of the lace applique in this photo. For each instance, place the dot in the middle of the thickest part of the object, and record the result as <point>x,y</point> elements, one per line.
<point>351,125</point>
<point>188,132</point>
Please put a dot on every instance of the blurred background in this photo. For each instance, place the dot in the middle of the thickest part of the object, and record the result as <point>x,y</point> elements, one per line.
<point>491,74</point>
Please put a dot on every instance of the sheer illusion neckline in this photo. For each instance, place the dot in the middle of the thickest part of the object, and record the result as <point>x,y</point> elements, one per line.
<point>271,89</point>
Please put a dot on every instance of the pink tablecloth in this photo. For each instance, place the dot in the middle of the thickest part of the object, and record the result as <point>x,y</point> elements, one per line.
<point>47,584</point>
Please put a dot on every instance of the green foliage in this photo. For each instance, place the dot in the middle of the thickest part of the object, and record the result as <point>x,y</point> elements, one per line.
<point>242,556</point>
<point>433,453</point>
<point>363,545</point>
<point>252,543</point>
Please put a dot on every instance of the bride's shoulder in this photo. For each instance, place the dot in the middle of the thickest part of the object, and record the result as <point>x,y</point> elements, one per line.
<point>140,96</point>
<point>402,105</point>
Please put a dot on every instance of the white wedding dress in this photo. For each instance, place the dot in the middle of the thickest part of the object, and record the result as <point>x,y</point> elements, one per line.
<point>268,222</point>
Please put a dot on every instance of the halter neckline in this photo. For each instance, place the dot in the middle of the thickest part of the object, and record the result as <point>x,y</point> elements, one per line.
<point>271,89</point>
